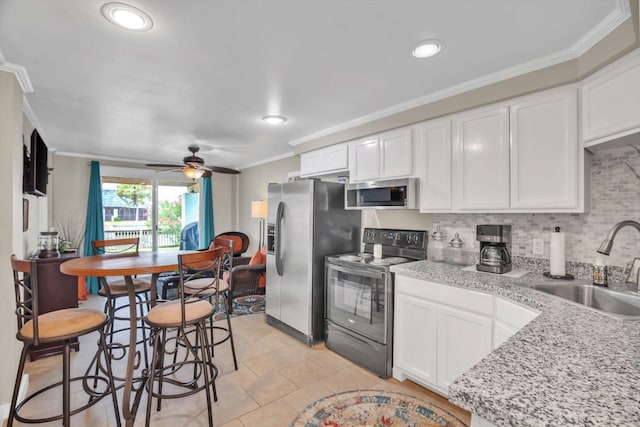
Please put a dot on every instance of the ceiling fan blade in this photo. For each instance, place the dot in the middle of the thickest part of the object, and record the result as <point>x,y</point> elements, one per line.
<point>163,165</point>
<point>169,170</point>
<point>220,169</point>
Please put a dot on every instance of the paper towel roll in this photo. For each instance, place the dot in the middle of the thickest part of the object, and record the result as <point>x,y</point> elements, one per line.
<point>556,254</point>
<point>377,250</point>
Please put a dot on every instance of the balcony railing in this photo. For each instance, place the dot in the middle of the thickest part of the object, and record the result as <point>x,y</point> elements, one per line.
<point>165,239</point>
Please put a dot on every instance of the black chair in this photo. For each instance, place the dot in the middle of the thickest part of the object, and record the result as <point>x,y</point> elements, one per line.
<point>198,299</point>
<point>63,325</point>
<point>240,241</point>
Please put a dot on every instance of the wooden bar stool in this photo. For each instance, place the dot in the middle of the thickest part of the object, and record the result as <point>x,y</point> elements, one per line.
<point>61,325</point>
<point>227,246</point>
<point>116,289</point>
<point>199,272</point>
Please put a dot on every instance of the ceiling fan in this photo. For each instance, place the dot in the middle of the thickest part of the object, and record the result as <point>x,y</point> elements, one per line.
<point>194,166</point>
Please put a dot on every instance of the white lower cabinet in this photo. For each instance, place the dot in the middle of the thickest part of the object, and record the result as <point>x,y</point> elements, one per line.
<point>440,331</point>
<point>415,335</point>
<point>464,338</point>
<point>510,317</point>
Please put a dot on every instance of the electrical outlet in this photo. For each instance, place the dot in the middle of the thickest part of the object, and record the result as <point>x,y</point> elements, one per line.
<point>537,247</point>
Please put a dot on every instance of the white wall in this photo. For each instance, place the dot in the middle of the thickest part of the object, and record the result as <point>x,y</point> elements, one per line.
<point>69,190</point>
<point>11,235</point>
<point>252,186</point>
<point>224,202</point>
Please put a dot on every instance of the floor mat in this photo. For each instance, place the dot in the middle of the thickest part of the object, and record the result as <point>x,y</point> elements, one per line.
<point>374,408</point>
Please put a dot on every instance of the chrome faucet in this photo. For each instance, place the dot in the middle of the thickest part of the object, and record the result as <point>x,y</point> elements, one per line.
<point>607,243</point>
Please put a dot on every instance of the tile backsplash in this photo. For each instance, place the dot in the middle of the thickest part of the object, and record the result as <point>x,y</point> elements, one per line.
<point>615,196</point>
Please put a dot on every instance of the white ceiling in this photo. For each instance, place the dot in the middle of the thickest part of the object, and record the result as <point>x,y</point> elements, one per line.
<point>210,69</point>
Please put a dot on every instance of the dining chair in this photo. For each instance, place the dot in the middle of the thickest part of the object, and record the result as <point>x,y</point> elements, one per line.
<point>116,289</point>
<point>240,241</point>
<point>63,325</point>
<point>198,298</point>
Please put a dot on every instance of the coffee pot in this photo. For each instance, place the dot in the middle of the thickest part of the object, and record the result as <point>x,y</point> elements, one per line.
<point>495,255</point>
<point>495,248</point>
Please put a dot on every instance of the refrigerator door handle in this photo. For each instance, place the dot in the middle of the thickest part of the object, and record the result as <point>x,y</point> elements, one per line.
<point>278,239</point>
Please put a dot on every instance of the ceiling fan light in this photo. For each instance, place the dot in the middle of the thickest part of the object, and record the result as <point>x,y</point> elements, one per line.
<point>274,120</point>
<point>427,48</point>
<point>193,173</point>
<point>126,16</point>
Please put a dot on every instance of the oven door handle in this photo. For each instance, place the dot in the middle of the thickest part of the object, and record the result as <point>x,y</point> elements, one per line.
<point>356,271</point>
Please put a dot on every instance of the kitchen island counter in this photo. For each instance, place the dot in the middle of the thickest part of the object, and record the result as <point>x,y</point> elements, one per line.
<point>569,366</point>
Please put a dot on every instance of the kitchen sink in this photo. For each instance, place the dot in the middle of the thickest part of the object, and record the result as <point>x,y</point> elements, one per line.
<point>620,304</point>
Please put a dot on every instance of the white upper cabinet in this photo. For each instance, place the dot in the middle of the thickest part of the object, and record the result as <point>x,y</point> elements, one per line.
<point>611,101</point>
<point>389,155</point>
<point>396,154</point>
<point>481,159</point>
<point>433,160</point>
<point>324,161</point>
<point>364,160</point>
<point>545,154</point>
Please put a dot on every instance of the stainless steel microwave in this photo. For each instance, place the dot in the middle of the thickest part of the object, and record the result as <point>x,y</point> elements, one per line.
<point>389,194</point>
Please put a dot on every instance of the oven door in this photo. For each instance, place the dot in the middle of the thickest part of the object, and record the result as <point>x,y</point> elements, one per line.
<point>357,298</point>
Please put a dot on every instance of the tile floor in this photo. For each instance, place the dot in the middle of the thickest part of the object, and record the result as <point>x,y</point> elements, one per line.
<point>277,377</point>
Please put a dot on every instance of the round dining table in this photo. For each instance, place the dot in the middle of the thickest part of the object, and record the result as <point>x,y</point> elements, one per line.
<point>127,266</point>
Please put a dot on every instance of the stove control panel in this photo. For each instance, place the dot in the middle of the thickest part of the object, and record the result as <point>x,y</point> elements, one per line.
<point>411,239</point>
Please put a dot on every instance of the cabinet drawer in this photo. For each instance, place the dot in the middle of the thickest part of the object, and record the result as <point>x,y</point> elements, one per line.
<point>464,299</point>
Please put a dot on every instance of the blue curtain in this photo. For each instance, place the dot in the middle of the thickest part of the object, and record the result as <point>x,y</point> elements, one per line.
<point>207,213</point>
<point>95,225</point>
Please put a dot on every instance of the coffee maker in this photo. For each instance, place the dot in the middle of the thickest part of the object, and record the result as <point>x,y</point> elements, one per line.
<point>495,248</point>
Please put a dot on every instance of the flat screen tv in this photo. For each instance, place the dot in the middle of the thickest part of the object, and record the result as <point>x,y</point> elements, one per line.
<point>36,172</point>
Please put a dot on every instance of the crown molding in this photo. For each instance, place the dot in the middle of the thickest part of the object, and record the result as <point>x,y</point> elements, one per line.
<point>269,160</point>
<point>19,71</point>
<point>604,27</point>
<point>94,157</point>
<point>620,14</point>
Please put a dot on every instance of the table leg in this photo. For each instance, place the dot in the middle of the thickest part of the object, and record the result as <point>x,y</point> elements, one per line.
<point>130,408</point>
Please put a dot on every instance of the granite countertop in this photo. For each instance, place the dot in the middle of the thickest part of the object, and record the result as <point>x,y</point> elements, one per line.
<point>569,366</point>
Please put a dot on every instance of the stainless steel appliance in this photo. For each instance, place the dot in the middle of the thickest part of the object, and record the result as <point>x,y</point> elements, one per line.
<point>495,248</point>
<point>359,297</point>
<point>389,194</point>
<point>306,221</point>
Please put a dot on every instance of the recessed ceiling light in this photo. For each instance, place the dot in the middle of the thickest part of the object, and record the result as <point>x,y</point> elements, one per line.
<point>126,16</point>
<point>274,120</point>
<point>427,48</point>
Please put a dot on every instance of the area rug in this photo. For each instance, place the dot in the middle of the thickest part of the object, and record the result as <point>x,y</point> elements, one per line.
<point>249,304</point>
<point>374,408</point>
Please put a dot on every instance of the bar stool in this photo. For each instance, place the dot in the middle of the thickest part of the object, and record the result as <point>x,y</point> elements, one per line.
<point>115,289</point>
<point>188,314</point>
<point>63,325</point>
<point>226,266</point>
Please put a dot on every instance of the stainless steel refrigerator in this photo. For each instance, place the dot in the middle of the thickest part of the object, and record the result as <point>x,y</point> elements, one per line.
<point>306,221</point>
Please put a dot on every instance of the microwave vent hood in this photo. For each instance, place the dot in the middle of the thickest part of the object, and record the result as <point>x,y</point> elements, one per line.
<point>384,194</point>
